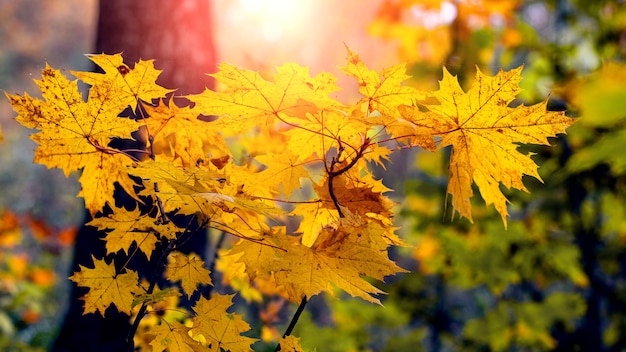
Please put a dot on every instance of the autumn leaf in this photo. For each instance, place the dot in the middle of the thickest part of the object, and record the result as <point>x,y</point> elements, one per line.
<point>189,270</point>
<point>75,135</point>
<point>484,132</point>
<point>10,233</point>
<point>315,216</point>
<point>281,170</point>
<point>384,97</point>
<point>290,344</point>
<point>189,190</point>
<point>234,274</point>
<point>128,227</point>
<point>251,101</point>
<point>121,84</point>
<point>173,337</point>
<point>178,135</point>
<point>382,92</point>
<point>357,196</point>
<point>159,299</point>
<point>222,330</point>
<point>216,194</point>
<point>340,257</point>
<point>317,133</point>
<point>106,287</point>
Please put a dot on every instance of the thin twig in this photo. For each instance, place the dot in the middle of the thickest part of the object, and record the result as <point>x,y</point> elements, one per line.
<point>164,218</point>
<point>294,320</point>
<point>172,244</point>
<point>144,305</point>
<point>332,173</point>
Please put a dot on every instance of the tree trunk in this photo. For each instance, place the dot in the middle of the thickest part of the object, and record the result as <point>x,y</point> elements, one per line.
<point>178,35</point>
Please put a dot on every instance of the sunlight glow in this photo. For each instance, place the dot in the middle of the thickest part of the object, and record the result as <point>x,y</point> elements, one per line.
<point>276,19</point>
<point>430,19</point>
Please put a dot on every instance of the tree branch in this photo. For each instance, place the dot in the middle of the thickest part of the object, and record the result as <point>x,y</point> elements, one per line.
<point>294,320</point>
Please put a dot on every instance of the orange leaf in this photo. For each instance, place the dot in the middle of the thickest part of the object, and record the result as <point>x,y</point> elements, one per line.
<point>42,277</point>
<point>10,232</point>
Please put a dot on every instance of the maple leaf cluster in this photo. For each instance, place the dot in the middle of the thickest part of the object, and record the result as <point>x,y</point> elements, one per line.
<point>259,155</point>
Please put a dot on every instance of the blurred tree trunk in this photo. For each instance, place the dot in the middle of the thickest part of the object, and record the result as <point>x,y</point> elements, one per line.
<point>178,35</point>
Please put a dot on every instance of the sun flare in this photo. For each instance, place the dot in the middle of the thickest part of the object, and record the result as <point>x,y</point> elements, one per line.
<point>276,19</point>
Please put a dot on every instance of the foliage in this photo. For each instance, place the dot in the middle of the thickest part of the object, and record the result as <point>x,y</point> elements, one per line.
<point>570,239</point>
<point>309,162</point>
<point>29,285</point>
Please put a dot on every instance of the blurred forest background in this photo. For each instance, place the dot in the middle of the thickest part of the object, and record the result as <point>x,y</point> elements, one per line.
<point>554,281</point>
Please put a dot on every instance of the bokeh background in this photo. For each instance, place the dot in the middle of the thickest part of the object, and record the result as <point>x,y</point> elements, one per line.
<point>555,280</point>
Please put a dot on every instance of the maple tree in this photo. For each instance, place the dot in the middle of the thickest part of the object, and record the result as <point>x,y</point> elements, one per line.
<point>307,159</point>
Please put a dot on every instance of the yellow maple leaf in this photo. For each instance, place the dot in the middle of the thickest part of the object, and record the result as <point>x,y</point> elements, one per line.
<point>220,329</point>
<point>254,102</point>
<point>106,287</point>
<point>341,256</point>
<point>216,194</point>
<point>177,134</point>
<point>282,170</point>
<point>384,95</point>
<point>362,196</point>
<point>132,226</point>
<point>484,132</point>
<point>290,344</point>
<point>100,173</point>
<point>317,133</point>
<point>75,134</point>
<point>122,84</point>
<point>315,216</point>
<point>189,270</point>
<point>356,195</point>
<point>382,92</point>
<point>189,189</point>
<point>173,337</point>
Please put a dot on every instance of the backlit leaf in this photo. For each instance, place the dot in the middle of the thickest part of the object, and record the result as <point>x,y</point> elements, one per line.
<point>485,131</point>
